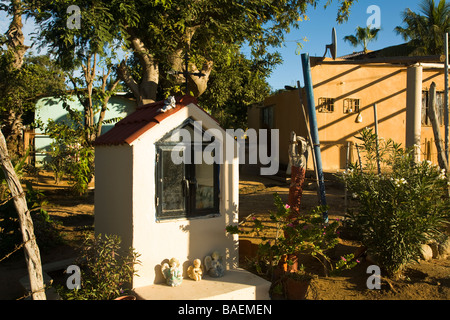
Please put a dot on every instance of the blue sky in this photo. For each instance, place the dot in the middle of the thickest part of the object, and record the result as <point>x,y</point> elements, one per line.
<point>318,32</point>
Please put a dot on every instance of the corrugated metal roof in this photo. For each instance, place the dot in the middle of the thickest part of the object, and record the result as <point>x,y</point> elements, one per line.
<point>144,118</point>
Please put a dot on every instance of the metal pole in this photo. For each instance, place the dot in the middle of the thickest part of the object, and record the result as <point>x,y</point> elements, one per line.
<point>446,98</point>
<point>376,135</point>
<point>314,130</point>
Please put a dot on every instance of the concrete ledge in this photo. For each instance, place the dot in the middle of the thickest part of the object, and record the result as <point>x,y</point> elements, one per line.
<point>236,284</point>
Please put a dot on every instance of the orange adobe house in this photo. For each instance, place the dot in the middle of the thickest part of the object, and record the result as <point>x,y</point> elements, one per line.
<point>345,92</point>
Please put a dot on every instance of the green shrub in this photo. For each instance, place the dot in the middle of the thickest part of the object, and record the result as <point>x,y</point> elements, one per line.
<point>45,229</point>
<point>70,154</point>
<point>106,270</point>
<point>401,208</point>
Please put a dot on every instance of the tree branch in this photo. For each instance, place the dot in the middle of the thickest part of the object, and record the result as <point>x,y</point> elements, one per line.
<point>125,76</point>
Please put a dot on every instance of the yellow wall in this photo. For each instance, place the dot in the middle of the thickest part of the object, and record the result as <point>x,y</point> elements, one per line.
<point>372,84</point>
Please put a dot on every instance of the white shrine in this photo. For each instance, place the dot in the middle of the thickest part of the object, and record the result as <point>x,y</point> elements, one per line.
<point>167,183</point>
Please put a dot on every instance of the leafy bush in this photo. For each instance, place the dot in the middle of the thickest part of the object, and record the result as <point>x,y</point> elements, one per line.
<point>303,235</point>
<point>400,209</point>
<point>106,270</point>
<point>70,153</point>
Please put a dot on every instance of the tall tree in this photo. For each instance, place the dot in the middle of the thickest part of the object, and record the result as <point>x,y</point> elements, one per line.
<point>16,48</point>
<point>363,37</point>
<point>93,91</point>
<point>22,78</point>
<point>235,83</point>
<point>159,33</point>
<point>15,54</point>
<point>425,30</point>
<point>86,52</point>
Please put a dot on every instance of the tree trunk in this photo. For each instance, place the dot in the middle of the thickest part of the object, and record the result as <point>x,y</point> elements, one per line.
<point>199,84</point>
<point>32,255</point>
<point>105,99</point>
<point>16,39</point>
<point>13,132</point>
<point>442,159</point>
<point>16,44</point>
<point>145,91</point>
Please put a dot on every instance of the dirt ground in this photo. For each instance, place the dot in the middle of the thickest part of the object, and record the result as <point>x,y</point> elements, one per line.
<point>424,281</point>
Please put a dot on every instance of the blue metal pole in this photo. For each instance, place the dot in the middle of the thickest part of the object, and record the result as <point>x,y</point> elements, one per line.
<point>314,130</point>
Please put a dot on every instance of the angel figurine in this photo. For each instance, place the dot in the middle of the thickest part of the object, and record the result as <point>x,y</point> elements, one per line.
<point>214,265</point>
<point>172,272</point>
<point>195,272</point>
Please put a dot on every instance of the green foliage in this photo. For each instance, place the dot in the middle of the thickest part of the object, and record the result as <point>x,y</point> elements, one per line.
<point>70,155</point>
<point>362,37</point>
<point>45,229</point>
<point>235,83</point>
<point>399,210</point>
<point>106,270</point>
<point>305,235</point>
<point>425,30</point>
<point>156,34</point>
<point>19,89</point>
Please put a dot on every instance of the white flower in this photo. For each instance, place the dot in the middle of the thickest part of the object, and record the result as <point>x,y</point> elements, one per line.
<point>442,175</point>
<point>348,172</point>
<point>399,182</point>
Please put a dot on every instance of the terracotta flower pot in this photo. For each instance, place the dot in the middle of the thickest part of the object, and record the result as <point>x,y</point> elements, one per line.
<point>296,289</point>
<point>130,297</point>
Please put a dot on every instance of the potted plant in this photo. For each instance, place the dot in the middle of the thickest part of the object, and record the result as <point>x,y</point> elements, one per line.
<point>297,237</point>
<point>292,285</point>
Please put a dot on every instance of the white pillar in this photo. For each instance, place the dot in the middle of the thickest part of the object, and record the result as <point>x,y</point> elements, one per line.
<point>414,108</point>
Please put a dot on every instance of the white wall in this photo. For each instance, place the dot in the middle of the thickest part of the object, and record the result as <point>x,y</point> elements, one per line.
<point>113,192</point>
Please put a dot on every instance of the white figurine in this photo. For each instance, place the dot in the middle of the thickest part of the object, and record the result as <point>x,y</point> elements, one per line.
<point>195,272</point>
<point>172,272</point>
<point>214,266</point>
<point>169,103</point>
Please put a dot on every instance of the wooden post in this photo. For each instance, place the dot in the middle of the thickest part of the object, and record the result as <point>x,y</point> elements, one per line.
<point>347,161</point>
<point>446,122</point>
<point>442,158</point>
<point>375,116</point>
<point>32,255</point>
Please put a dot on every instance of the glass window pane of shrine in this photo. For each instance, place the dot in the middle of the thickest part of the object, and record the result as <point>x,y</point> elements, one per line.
<point>191,188</point>
<point>171,178</point>
<point>206,188</point>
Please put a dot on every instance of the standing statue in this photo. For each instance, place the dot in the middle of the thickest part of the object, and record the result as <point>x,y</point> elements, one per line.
<point>298,151</point>
<point>195,272</point>
<point>172,272</point>
<point>214,266</point>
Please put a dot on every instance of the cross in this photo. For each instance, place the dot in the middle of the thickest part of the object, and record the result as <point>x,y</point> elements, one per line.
<point>186,73</point>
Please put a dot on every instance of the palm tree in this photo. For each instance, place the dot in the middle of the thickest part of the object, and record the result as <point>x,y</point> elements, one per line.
<point>425,30</point>
<point>362,37</point>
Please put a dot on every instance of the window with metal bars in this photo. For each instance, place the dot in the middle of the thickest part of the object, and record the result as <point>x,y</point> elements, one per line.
<point>326,105</point>
<point>351,105</point>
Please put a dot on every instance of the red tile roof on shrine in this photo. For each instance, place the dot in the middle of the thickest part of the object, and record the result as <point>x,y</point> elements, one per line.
<point>144,118</point>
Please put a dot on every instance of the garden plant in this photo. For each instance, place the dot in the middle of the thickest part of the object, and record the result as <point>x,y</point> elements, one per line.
<point>400,208</point>
<point>296,236</point>
<point>106,270</point>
